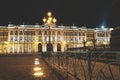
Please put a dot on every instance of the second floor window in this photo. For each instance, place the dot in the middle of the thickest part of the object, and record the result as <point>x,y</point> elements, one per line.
<point>11,33</point>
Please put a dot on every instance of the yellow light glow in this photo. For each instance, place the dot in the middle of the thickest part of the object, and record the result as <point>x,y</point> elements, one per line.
<point>104,43</point>
<point>44,20</point>
<point>54,20</point>
<point>37,69</point>
<point>6,42</point>
<point>36,59</point>
<point>49,13</point>
<point>38,74</point>
<point>48,21</point>
<point>36,63</point>
<point>63,42</point>
<point>50,18</point>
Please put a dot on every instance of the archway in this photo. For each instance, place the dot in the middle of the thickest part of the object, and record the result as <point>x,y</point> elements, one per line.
<point>67,46</point>
<point>49,47</point>
<point>58,47</point>
<point>39,47</point>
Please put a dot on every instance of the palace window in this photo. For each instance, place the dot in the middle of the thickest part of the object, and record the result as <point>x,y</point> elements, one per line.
<point>79,33</point>
<point>83,34</point>
<point>45,39</point>
<point>40,33</point>
<point>11,39</point>
<point>64,34</point>
<point>58,33</point>
<point>20,38</point>
<point>11,33</point>
<point>76,39</point>
<point>21,33</point>
<point>53,33</point>
<point>16,32</point>
<point>75,33</point>
<point>15,39</point>
<point>45,33</point>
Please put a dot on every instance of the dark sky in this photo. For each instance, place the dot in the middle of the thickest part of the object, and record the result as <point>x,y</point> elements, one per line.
<point>68,12</point>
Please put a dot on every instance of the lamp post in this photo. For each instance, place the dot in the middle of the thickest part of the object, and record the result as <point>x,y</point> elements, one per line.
<point>84,44</point>
<point>94,43</point>
<point>49,21</point>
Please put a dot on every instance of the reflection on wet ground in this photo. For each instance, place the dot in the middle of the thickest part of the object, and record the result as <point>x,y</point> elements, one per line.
<point>38,72</point>
<point>24,68</point>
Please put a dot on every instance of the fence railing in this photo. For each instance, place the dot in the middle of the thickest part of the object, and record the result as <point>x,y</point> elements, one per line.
<point>92,65</point>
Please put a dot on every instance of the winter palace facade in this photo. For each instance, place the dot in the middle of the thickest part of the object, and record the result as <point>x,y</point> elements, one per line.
<point>34,38</point>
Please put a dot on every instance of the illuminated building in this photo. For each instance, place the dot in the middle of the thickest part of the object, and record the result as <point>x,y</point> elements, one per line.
<point>34,38</point>
<point>103,37</point>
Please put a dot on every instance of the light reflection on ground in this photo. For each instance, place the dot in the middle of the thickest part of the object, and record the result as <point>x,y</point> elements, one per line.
<point>21,67</point>
<point>38,72</point>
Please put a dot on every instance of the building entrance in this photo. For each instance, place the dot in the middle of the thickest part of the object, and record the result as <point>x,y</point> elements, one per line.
<point>49,47</point>
<point>39,47</point>
<point>58,47</point>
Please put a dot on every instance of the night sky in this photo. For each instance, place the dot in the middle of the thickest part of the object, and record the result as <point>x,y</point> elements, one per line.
<point>90,13</point>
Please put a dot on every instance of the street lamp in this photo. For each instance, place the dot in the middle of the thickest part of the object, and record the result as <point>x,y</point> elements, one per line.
<point>49,21</point>
<point>94,43</point>
<point>84,44</point>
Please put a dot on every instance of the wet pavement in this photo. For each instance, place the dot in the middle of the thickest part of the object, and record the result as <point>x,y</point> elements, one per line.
<point>22,67</point>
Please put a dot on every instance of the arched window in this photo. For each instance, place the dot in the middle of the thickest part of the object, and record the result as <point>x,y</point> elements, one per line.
<point>58,33</point>
<point>25,33</point>
<point>58,47</point>
<point>21,33</point>
<point>45,33</point>
<point>53,32</point>
<point>83,34</point>
<point>71,34</point>
<point>6,33</point>
<point>75,33</point>
<point>11,33</point>
<point>33,32</point>
<point>79,33</point>
<point>16,32</point>
<point>40,33</point>
<point>64,34</point>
